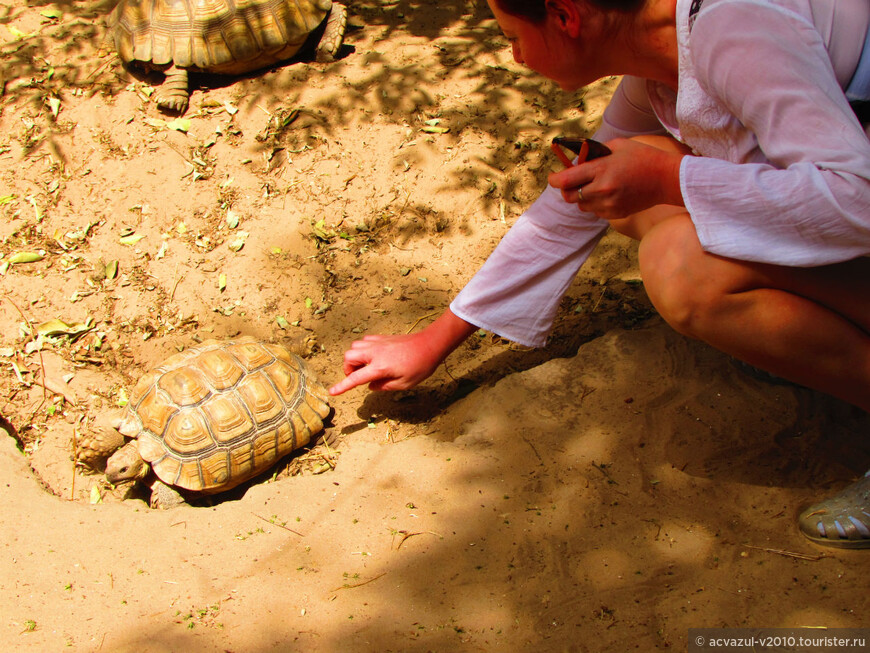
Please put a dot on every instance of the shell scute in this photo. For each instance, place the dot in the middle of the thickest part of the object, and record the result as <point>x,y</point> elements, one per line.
<point>291,434</point>
<point>260,398</point>
<point>227,417</point>
<point>265,445</point>
<point>167,468</point>
<point>283,354</point>
<point>220,369</point>
<point>208,472</point>
<point>154,410</point>
<point>250,354</point>
<point>187,434</point>
<point>285,381</point>
<point>242,463</point>
<point>185,386</point>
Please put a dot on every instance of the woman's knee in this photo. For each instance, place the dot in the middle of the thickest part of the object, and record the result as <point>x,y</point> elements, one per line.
<point>679,277</point>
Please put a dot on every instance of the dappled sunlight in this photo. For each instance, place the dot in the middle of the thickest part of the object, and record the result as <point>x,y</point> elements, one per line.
<point>605,492</point>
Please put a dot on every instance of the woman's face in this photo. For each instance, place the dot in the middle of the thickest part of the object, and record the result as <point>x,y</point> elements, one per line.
<point>545,47</point>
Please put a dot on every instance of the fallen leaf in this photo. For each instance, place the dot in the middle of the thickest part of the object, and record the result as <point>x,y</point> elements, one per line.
<point>112,270</point>
<point>282,322</point>
<point>132,239</point>
<point>57,327</point>
<point>237,243</point>
<point>17,33</point>
<point>179,125</point>
<point>222,282</point>
<point>26,257</point>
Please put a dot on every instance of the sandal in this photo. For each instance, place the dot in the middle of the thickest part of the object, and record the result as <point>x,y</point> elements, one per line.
<point>843,520</point>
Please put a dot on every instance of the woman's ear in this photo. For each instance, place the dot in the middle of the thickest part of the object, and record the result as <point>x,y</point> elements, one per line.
<point>566,15</point>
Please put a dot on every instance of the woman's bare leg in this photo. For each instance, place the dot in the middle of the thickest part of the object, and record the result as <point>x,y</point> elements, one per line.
<point>808,325</point>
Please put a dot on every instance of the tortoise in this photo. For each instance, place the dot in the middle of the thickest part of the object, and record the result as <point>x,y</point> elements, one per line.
<point>209,418</point>
<point>228,37</point>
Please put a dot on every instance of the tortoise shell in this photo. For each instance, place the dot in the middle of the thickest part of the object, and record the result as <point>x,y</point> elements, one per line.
<point>218,414</point>
<point>219,36</point>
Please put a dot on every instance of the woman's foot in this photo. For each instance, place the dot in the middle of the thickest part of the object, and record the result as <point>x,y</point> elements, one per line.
<point>842,520</point>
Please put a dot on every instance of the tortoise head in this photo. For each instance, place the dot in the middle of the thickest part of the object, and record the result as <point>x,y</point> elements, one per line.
<point>126,465</point>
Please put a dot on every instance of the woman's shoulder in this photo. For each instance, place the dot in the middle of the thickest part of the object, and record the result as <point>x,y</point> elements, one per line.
<point>722,8</point>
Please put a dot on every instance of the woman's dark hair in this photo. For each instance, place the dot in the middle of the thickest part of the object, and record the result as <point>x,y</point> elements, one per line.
<point>536,10</point>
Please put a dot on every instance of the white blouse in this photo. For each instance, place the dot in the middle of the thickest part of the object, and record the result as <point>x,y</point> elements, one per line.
<point>783,175</point>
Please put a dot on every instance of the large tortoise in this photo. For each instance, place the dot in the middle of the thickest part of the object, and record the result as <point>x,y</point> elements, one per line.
<point>210,418</point>
<point>219,36</point>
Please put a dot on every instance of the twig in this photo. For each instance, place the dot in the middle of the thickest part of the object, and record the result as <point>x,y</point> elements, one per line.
<point>55,388</point>
<point>109,61</point>
<point>603,291</point>
<point>601,468</point>
<point>446,369</point>
<point>365,582</point>
<point>529,442</point>
<point>175,282</point>
<point>274,523</point>
<point>789,554</point>
<point>405,535</point>
<point>41,362</point>
<point>413,326</point>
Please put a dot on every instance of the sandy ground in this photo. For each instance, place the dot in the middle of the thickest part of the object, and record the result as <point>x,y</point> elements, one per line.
<point>605,493</point>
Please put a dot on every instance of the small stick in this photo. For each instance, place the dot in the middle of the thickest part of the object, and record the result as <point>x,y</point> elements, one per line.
<point>55,388</point>
<point>365,582</point>
<point>529,442</point>
<point>789,554</point>
<point>601,468</point>
<point>405,535</point>
<point>41,362</point>
<point>604,290</point>
<point>413,326</point>
<point>175,283</point>
<point>269,521</point>
<point>96,72</point>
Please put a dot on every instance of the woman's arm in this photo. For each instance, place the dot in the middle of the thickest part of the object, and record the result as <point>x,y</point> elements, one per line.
<point>804,194</point>
<point>517,292</point>
<point>402,361</point>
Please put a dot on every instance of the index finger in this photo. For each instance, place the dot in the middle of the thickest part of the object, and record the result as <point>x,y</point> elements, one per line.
<point>363,375</point>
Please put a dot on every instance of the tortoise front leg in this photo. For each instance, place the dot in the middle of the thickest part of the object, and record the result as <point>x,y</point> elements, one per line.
<point>173,94</point>
<point>333,34</point>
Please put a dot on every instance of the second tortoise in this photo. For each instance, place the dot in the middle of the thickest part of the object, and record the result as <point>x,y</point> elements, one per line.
<point>229,37</point>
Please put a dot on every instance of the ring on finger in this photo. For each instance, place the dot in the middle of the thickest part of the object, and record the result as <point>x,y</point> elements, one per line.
<point>579,193</point>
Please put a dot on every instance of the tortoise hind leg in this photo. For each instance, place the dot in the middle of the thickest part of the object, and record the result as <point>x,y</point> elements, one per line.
<point>173,94</point>
<point>333,34</point>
